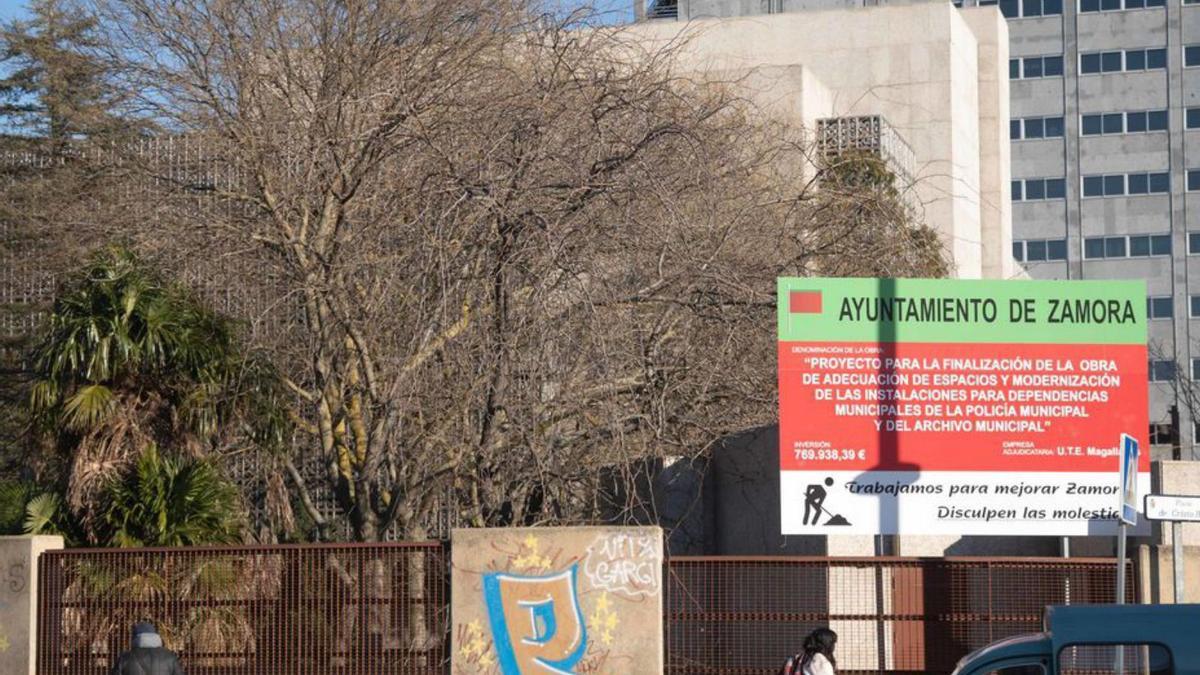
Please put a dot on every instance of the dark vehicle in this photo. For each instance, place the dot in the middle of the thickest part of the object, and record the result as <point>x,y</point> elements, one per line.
<point>1077,639</point>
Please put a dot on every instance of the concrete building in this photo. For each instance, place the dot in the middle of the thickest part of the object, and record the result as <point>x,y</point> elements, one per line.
<point>1105,148</point>
<point>934,77</point>
<point>938,75</point>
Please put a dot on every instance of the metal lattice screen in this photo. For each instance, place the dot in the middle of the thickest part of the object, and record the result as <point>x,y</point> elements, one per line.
<point>339,609</point>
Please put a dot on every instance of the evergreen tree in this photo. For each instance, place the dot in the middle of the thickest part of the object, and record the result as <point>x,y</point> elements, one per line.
<point>51,86</point>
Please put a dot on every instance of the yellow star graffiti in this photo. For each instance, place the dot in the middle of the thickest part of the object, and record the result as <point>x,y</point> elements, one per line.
<point>476,647</point>
<point>604,620</point>
<point>530,558</point>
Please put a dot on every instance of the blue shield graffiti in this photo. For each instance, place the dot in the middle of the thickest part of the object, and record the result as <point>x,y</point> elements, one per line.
<point>536,621</point>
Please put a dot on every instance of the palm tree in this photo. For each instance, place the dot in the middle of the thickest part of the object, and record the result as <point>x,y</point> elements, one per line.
<point>131,361</point>
<point>165,501</point>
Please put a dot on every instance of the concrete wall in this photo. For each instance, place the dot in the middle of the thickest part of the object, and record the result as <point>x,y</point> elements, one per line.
<point>1157,574</point>
<point>18,600</point>
<point>927,68</point>
<point>584,599</point>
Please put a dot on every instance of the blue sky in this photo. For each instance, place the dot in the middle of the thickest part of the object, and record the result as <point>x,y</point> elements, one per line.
<point>10,9</point>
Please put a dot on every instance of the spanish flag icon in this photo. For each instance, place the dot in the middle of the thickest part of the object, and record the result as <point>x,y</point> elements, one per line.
<point>804,302</point>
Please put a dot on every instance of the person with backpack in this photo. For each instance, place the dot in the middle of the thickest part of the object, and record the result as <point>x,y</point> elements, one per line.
<point>146,655</point>
<point>817,657</point>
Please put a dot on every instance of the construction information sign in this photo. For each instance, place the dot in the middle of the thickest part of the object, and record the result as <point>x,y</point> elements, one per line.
<point>957,406</point>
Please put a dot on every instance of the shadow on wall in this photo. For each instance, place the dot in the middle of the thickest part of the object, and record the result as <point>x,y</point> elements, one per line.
<point>741,499</point>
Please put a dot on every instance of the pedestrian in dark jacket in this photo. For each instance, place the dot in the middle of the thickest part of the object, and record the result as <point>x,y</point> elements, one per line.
<point>146,655</point>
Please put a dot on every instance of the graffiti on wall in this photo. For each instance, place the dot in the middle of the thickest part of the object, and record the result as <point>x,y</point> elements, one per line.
<point>536,621</point>
<point>629,564</point>
<point>554,609</point>
<point>17,576</point>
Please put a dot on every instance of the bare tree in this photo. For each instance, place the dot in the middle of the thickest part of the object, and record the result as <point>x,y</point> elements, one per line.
<point>523,255</point>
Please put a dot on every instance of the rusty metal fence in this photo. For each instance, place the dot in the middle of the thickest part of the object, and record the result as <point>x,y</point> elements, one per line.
<point>734,616</point>
<point>338,609</point>
<point>350,609</point>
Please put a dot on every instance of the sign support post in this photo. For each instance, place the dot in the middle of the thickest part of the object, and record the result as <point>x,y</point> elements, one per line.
<point>1177,559</point>
<point>1128,516</point>
<point>1128,508</point>
<point>1121,567</point>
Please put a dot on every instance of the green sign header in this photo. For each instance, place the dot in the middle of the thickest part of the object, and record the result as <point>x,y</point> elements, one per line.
<point>962,310</point>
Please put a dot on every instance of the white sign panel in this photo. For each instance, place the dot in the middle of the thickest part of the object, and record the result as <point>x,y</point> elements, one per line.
<point>1173,507</point>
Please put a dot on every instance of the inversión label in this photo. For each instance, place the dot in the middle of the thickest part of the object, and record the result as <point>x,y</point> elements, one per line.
<point>957,406</point>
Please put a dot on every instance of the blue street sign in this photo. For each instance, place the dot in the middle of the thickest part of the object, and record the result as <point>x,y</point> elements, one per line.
<point>1129,474</point>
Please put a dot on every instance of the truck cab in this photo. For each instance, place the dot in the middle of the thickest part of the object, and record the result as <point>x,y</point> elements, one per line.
<point>1118,639</point>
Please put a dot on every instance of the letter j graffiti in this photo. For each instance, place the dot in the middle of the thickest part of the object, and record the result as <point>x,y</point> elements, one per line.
<point>536,622</point>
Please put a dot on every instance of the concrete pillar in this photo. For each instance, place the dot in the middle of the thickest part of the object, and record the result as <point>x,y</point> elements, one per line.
<point>18,600</point>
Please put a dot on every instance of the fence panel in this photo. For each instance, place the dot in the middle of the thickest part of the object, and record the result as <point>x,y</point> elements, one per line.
<point>744,616</point>
<point>363,609</point>
<point>338,609</point>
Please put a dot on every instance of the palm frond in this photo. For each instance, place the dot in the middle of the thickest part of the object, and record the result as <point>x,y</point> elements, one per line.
<point>89,407</point>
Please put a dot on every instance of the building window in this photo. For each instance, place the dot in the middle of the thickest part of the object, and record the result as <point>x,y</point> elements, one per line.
<point>1040,250</point>
<point>1160,244</point>
<point>1036,127</point>
<point>1160,434</point>
<point>1016,9</point>
<point>1193,243</point>
<point>1113,185</point>
<point>1193,180</point>
<point>1196,376</point>
<point>1192,116</point>
<point>1035,251</point>
<point>1037,189</point>
<point>1160,307</point>
<point>1162,370</point>
<point>1191,56</point>
<point>1136,246</point>
<point>1145,120</point>
<point>1149,245</point>
<point>1149,183</point>
<point>1137,121</point>
<point>1130,60</point>
<point>1113,5</point>
<point>1194,312</point>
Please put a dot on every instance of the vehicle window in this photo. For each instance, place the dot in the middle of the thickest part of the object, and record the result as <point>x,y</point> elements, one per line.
<point>1139,659</point>
<point>1020,670</point>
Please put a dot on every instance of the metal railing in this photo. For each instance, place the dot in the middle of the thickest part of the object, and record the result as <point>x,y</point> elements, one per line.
<point>734,616</point>
<point>339,609</point>
<point>870,134</point>
<point>374,608</point>
<point>662,9</point>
